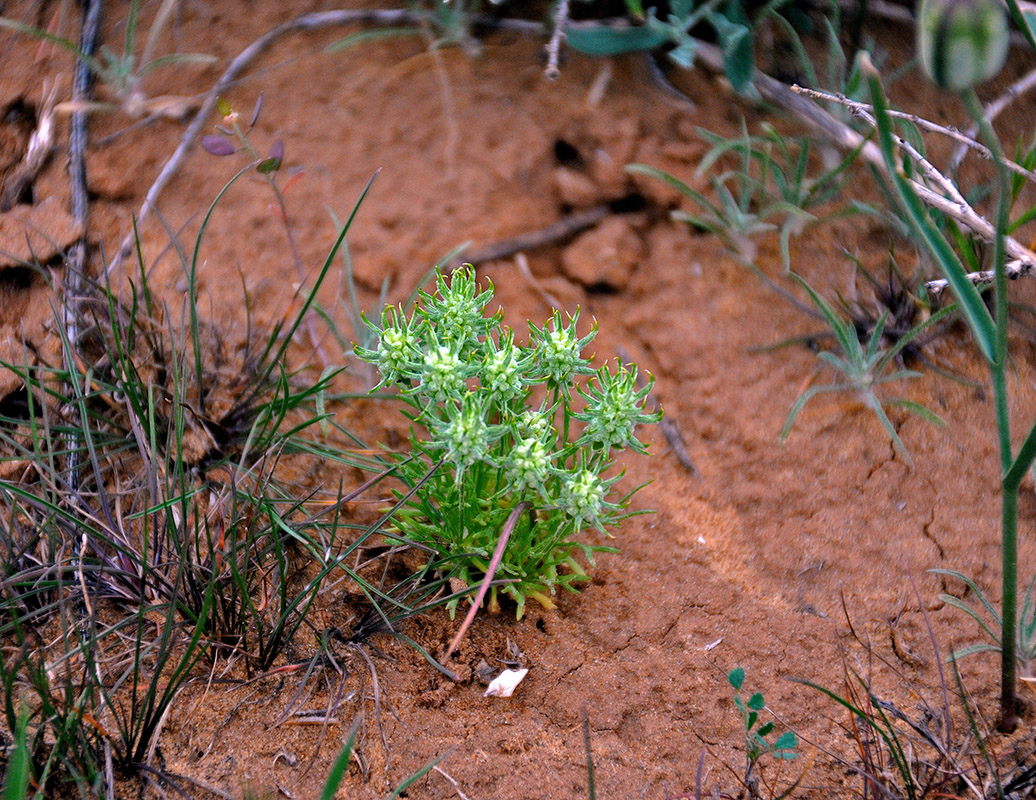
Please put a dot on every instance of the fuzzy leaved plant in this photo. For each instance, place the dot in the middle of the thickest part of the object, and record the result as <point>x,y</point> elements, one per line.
<point>498,423</point>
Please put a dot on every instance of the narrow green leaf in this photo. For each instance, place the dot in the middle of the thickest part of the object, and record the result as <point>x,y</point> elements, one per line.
<point>417,776</point>
<point>616,41</point>
<point>374,34</point>
<point>16,777</point>
<point>337,773</point>
<point>786,741</point>
<point>971,303</point>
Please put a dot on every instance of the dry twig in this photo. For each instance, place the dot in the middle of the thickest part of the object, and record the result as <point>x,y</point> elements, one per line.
<point>993,109</point>
<point>965,139</point>
<point>306,22</point>
<point>564,228</point>
<point>556,38</point>
<point>1023,260</point>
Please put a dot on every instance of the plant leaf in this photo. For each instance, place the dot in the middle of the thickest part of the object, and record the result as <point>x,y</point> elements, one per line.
<point>217,145</point>
<point>615,41</point>
<point>975,311</point>
<point>738,57</point>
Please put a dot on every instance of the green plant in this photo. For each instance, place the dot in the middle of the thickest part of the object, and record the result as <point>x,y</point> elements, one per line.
<point>493,444</point>
<point>980,54</point>
<point>1025,645</point>
<point>757,735</point>
<point>149,530</point>
<point>728,20</point>
<point>865,369</point>
<point>770,189</point>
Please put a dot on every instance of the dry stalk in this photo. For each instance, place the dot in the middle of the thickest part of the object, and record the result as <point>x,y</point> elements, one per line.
<point>993,109</point>
<point>965,139</point>
<point>556,38</point>
<point>75,263</point>
<point>1023,260</point>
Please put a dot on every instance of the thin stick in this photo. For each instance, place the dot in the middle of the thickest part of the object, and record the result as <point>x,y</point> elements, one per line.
<point>494,562</point>
<point>567,226</point>
<point>453,783</point>
<point>75,264</point>
<point>1015,270</point>
<point>966,139</point>
<point>993,109</point>
<point>556,38</point>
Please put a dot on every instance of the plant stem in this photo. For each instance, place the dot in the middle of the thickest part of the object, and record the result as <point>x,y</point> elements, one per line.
<point>1009,489</point>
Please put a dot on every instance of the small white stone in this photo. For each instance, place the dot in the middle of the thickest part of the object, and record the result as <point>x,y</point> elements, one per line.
<point>504,684</point>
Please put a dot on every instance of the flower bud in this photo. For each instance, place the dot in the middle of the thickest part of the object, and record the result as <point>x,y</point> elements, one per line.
<point>962,42</point>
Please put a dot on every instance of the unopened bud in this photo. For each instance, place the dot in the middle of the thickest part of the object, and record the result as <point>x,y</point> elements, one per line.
<point>962,42</point>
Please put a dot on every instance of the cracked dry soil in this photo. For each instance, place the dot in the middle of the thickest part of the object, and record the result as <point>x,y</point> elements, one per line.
<point>755,562</point>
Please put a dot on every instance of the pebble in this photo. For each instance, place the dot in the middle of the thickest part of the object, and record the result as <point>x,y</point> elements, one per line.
<point>575,189</point>
<point>605,256</point>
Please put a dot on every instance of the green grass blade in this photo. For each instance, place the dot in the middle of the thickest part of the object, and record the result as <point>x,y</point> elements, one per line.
<point>916,408</point>
<point>973,587</point>
<point>16,776</point>
<point>971,303</point>
<point>804,398</point>
<point>337,773</point>
<point>417,776</point>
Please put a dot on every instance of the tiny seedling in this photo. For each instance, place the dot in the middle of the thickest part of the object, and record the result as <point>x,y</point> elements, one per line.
<point>758,735</point>
<point>865,369</point>
<point>507,426</point>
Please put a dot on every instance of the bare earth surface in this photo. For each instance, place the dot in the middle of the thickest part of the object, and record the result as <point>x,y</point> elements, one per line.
<point>755,562</point>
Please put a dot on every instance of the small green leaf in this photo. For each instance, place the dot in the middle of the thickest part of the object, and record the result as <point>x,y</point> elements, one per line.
<point>616,41</point>
<point>753,716</point>
<point>766,730</point>
<point>737,677</point>
<point>786,741</point>
<point>268,165</point>
<point>684,54</point>
<point>223,107</point>
<point>756,702</point>
<point>735,39</point>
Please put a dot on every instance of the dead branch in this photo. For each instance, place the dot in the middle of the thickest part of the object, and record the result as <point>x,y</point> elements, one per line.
<point>75,263</point>
<point>965,139</point>
<point>556,38</point>
<point>1023,261</point>
<point>564,228</point>
<point>993,109</point>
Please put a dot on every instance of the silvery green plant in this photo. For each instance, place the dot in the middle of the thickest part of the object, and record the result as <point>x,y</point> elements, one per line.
<point>497,424</point>
<point>962,43</point>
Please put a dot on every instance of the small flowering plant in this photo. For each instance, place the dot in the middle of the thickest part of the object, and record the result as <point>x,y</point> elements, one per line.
<point>491,445</point>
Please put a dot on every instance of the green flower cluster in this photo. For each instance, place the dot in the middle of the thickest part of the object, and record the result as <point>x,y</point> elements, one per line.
<point>506,423</point>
